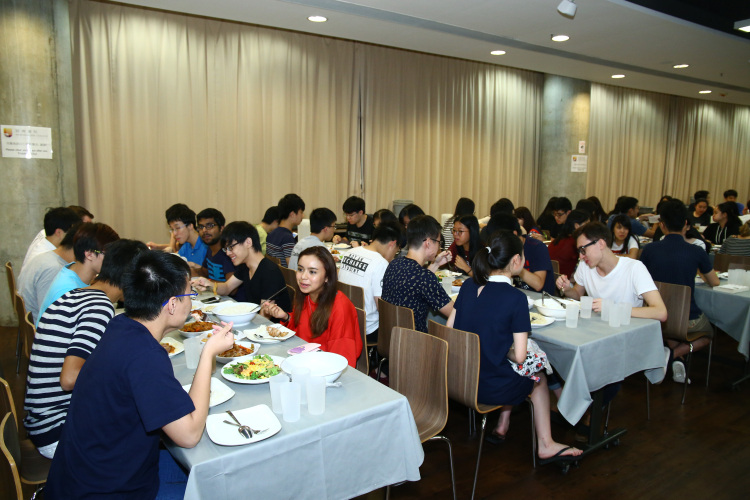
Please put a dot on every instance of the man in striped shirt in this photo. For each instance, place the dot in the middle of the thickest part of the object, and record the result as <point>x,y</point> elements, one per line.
<point>280,242</point>
<point>67,333</point>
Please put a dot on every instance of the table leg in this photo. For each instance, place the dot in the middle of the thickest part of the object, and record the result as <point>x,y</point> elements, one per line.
<point>735,385</point>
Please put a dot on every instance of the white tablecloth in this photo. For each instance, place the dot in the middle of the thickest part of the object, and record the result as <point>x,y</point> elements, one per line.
<point>728,311</point>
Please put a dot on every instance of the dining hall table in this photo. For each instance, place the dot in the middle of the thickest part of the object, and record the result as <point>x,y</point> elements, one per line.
<point>366,439</point>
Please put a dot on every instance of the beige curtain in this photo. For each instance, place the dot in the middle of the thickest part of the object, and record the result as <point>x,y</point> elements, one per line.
<point>436,129</point>
<point>173,108</point>
<point>709,149</point>
<point>628,142</point>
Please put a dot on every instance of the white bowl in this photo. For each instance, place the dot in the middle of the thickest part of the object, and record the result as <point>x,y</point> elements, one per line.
<point>551,308</point>
<point>321,364</point>
<point>244,343</point>
<point>238,319</point>
<point>195,334</point>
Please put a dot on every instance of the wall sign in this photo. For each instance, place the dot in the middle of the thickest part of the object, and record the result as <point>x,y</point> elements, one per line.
<point>21,141</point>
<point>578,163</point>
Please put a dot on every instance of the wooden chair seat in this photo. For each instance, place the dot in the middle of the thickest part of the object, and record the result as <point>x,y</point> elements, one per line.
<point>33,468</point>
<point>390,317</point>
<point>483,408</point>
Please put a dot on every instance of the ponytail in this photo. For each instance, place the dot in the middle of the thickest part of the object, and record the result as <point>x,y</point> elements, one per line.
<point>503,246</point>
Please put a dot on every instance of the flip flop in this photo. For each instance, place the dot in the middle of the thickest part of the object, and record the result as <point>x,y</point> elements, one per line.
<point>558,457</point>
<point>494,438</point>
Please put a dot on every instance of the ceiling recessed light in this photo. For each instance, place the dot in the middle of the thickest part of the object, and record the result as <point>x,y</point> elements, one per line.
<point>618,76</point>
<point>560,38</point>
<point>317,19</point>
<point>743,25</point>
<point>680,66</point>
<point>497,52</point>
<point>704,92</point>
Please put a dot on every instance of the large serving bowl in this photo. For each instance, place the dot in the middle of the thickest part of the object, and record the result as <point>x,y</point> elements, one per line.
<point>321,364</point>
<point>238,317</point>
<point>551,308</point>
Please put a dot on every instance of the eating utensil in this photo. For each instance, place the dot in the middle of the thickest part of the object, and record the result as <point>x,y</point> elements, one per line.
<point>253,430</point>
<point>545,294</point>
<point>246,431</point>
<point>266,300</point>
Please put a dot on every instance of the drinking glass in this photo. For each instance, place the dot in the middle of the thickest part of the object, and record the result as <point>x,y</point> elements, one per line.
<point>614,315</point>
<point>571,315</point>
<point>290,394</point>
<point>275,383</point>
<point>300,376</point>
<point>447,282</point>
<point>316,395</point>
<point>626,309</point>
<point>586,304</point>
<point>193,350</point>
<point>606,308</point>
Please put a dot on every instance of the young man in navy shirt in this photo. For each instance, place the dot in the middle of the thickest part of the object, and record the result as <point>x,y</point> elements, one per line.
<point>217,266</point>
<point>674,260</point>
<point>126,393</point>
<point>281,241</point>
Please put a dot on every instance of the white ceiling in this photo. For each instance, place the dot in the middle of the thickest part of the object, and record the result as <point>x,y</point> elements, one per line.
<point>606,37</point>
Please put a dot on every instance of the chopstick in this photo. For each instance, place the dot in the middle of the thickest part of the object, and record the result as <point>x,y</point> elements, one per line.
<point>269,298</point>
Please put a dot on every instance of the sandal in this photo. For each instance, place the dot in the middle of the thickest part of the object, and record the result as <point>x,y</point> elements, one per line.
<point>494,438</point>
<point>558,457</point>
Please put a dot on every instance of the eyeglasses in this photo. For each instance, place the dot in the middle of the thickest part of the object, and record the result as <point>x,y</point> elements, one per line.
<point>582,250</point>
<point>210,225</point>
<point>193,294</point>
<point>229,248</point>
<point>98,252</point>
<point>178,228</point>
<point>437,242</point>
<point>558,215</point>
<point>458,231</point>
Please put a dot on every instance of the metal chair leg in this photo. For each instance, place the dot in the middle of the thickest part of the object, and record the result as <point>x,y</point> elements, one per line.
<point>710,352</point>
<point>533,434</point>
<point>479,456</point>
<point>606,420</point>
<point>388,492</point>
<point>687,371</point>
<point>38,489</point>
<point>648,400</point>
<point>450,456</point>
<point>472,422</point>
<point>380,367</point>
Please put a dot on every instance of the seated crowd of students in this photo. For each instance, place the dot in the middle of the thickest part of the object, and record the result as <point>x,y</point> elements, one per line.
<point>85,361</point>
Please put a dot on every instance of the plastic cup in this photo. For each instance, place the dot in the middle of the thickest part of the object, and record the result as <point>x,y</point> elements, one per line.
<point>290,394</point>
<point>614,315</point>
<point>193,350</point>
<point>586,304</point>
<point>300,376</point>
<point>606,308</point>
<point>316,395</point>
<point>275,383</point>
<point>626,308</point>
<point>571,315</point>
<point>447,282</point>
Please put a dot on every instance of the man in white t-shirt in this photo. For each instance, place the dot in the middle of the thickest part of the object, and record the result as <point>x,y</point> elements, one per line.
<point>57,222</point>
<point>365,266</point>
<point>606,276</point>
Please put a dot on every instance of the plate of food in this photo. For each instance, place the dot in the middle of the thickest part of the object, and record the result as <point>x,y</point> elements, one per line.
<point>258,417</point>
<point>342,246</point>
<point>539,321</point>
<point>552,308</point>
<point>238,350</point>
<point>196,328</point>
<point>220,392</point>
<point>457,283</point>
<point>267,334</point>
<point>173,346</point>
<point>252,370</point>
<point>444,273</point>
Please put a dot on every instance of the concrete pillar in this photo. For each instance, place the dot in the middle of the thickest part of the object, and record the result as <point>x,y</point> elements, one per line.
<point>565,122</point>
<point>36,89</point>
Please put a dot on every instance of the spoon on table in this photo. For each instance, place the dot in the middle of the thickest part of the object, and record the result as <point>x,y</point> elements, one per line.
<point>253,430</point>
<point>246,431</point>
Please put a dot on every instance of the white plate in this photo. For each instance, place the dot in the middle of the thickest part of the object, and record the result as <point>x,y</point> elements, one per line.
<point>197,304</point>
<point>250,334</point>
<point>262,333</point>
<point>220,392</point>
<point>178,347</point>
<point>444,273</point>
<point>258,417</point>
<point>232,378</point>
<point>547,321</point>
<point>341,246</point>
<point>208,308</point>
<point>243,343</point>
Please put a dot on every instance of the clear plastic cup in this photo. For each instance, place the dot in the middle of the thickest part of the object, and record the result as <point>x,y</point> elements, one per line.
<point>606,308</point>
<point>290,394</point>
<point>447,282</point>
<point>626,309</point>
<point>316,395</point>
<point>275,383</point>
<point>193,350</point>
<point>614,315</point>
<point>300,376</point>
<point>571,315</point>
<point>586,304</point>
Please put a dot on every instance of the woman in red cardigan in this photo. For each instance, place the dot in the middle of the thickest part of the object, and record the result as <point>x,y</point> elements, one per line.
<point>321,313</point>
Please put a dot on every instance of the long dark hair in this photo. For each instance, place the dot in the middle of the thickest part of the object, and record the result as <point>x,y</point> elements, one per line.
<point>624,221</point>
<point>504,245</point>
<point>575,217</point>
<point>733,213</point>
<point>600,214</point>
<point>529,223</point>
<point>327,296</point>
<point>472,224</point>
<point>465,206</point>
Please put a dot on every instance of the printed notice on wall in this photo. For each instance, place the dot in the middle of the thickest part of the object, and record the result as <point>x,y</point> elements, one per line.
<point>21,141</point>
<point>578,163</point>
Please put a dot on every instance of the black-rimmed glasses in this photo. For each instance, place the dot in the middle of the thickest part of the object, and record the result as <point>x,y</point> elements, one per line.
<point>582,250</point>
<point>229,248</point>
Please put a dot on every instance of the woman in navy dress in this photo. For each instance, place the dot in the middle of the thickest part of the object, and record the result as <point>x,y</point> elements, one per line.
<point>490,306</point>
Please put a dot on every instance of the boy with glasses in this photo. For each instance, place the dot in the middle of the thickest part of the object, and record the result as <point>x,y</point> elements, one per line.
<point>182,225</point>
<point>281,241</point>
<point>359,225</point>
<point>560,211</point>
<point>322,227</point>
<point>217,266</point>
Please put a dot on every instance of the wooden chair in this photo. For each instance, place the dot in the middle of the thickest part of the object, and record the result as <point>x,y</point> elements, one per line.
<point>363,363</point>
<point>7,405</point>
<point>556,267</point>
<point>12,291</point>
<point>29,335</point>
<point>21,313</point>
<point>419,371</point>
<point>722,261</point>
<point>390,317</point>
<point>640,251</point>
<point>273,259</point>
<point>290,276</point>
<point>355,293</point>
<point>677,300</point>
<point>292,293</point>
<point>26,465</point>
